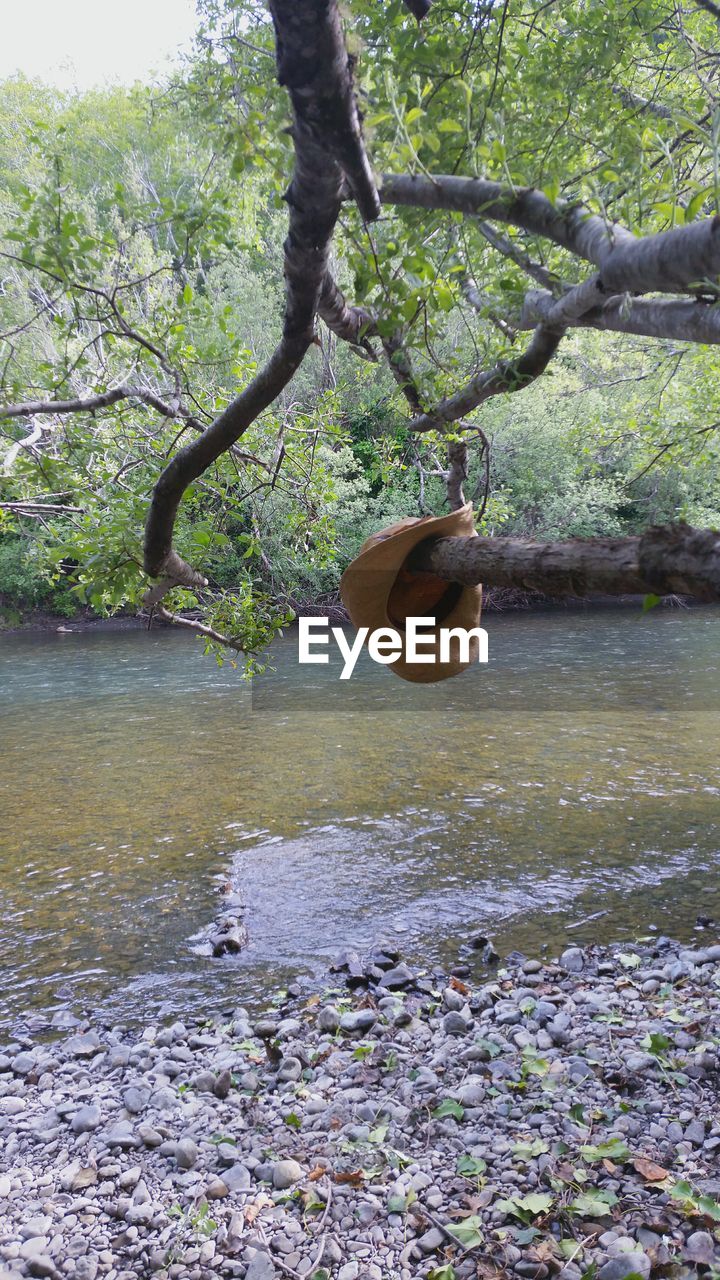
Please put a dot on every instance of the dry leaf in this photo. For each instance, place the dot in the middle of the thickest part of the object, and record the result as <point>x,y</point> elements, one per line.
<point>457,985</point>
<point>354,1179</point>
<point>649,1170</point>
<point>318,1172</point>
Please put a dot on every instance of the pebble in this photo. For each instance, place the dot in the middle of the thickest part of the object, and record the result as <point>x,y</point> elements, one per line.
<point>130,1155</point>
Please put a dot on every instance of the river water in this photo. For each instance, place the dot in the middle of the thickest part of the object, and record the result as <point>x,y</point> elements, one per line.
<point>577,773</point>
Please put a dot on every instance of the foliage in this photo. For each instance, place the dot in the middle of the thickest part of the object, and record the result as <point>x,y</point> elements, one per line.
<point>141,235</point>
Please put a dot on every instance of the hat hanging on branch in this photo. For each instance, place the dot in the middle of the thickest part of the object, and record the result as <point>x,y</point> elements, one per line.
<point>378,590</point>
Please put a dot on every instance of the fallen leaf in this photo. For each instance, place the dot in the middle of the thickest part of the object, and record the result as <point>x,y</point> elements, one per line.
<point>457,985</point>
<point>649,1170</point>
<point>318,1172</point>
<point>353,1179</point>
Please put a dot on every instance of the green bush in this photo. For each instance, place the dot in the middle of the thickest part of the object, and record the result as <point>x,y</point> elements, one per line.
<point>25,582</point>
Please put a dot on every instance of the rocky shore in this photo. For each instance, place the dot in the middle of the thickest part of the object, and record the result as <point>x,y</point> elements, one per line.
<point>560,1119</point>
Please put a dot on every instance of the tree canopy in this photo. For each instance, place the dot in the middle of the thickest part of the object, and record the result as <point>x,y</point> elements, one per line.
<point>293,293</point>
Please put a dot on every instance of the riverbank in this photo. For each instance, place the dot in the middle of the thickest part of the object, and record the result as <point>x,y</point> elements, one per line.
<point>560,1119</point>
<point>495,600</point>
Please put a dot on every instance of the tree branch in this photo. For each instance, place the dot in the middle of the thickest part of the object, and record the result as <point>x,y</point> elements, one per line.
<point>678,320</point>
<point>313,62</point>
<point>506,376</point>
<point>675,559</point>
<point>669,262</point>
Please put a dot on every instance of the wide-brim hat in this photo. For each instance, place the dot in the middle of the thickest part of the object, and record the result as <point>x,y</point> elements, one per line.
<point>378,590</point>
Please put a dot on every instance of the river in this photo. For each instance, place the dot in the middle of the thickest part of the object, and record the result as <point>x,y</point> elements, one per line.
<point>577,773</point>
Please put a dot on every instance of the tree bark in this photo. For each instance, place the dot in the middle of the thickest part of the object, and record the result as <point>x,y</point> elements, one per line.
<point>678,320</point>
<point>673,559</point>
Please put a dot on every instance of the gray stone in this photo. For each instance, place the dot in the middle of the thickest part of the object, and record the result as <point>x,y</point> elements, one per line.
<point>472,1092</point>
<point>397,978</point>
<point>122,1135</point>
<point>328,1019</point>
<point>285,1173</point>
<point>572,960</point>
<point>85,1045</point>
<point>350,1271</point>
<point>695,1133</point>
<point>432,1240</point>
<point>237,1178</point>
<point>261,1267</point>
<point>454,1024</point>
<point>86,1119</point>
<point>149,1135</point>
<point>625,1264</point>
<point>289,1069</point>
<point>135,1100</point>
<point>186,1153</point>
<point>700,1248</point>
<point>357,1023</point>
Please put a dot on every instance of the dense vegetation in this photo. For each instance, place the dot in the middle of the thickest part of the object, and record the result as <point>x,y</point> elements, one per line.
<point>141,248</point>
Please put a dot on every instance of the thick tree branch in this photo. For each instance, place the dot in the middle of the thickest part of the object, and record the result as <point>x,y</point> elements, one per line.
<point>675,559</point>
<point>678,320</point>
<point>571,226</point>
<point>418,8</point>
<point>313,63</point>
<point>669,262</point>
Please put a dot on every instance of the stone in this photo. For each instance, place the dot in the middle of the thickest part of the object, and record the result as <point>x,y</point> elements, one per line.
<point>122,1135</point>
<point>695,1133</point>
<point>350,1271</point>
<point>625,1264</point>
<point>328,1019</point>
<point>149,1135</point>
<point>135,1100</point>
<point>237,1178</point>
<point>285,1174</point>
<point>85,1045</point>
<point>261,1267</point>
<point>86,1119</point>
<point>700,1248</point>
<point>432,1240</point>
<point>397,978</point>
<point>186,1153</point>
<point>357,1023</point>
<point>572,960</point>
<point>289,1069</point>
<point>454,1024</point>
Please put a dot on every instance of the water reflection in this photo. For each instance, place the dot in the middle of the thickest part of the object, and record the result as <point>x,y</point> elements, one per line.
<point>578,771</point>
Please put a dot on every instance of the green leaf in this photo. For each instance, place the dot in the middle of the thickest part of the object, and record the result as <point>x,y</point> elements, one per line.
<point>468,1233</point>
<point>593,1202</point>
<point>616,1149</point>
<point>470,1166</point>
<point>449,1107</point>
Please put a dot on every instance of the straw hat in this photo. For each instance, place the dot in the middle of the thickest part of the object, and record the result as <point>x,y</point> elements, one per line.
<point>378,591</point>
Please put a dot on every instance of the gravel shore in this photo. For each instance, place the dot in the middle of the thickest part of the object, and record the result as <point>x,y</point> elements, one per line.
<point>559,1119</point>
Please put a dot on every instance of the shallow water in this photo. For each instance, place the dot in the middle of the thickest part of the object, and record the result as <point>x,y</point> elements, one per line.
<point>577,773</point>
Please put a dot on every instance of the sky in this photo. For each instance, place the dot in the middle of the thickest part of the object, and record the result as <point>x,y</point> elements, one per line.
<point>76,44</point>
